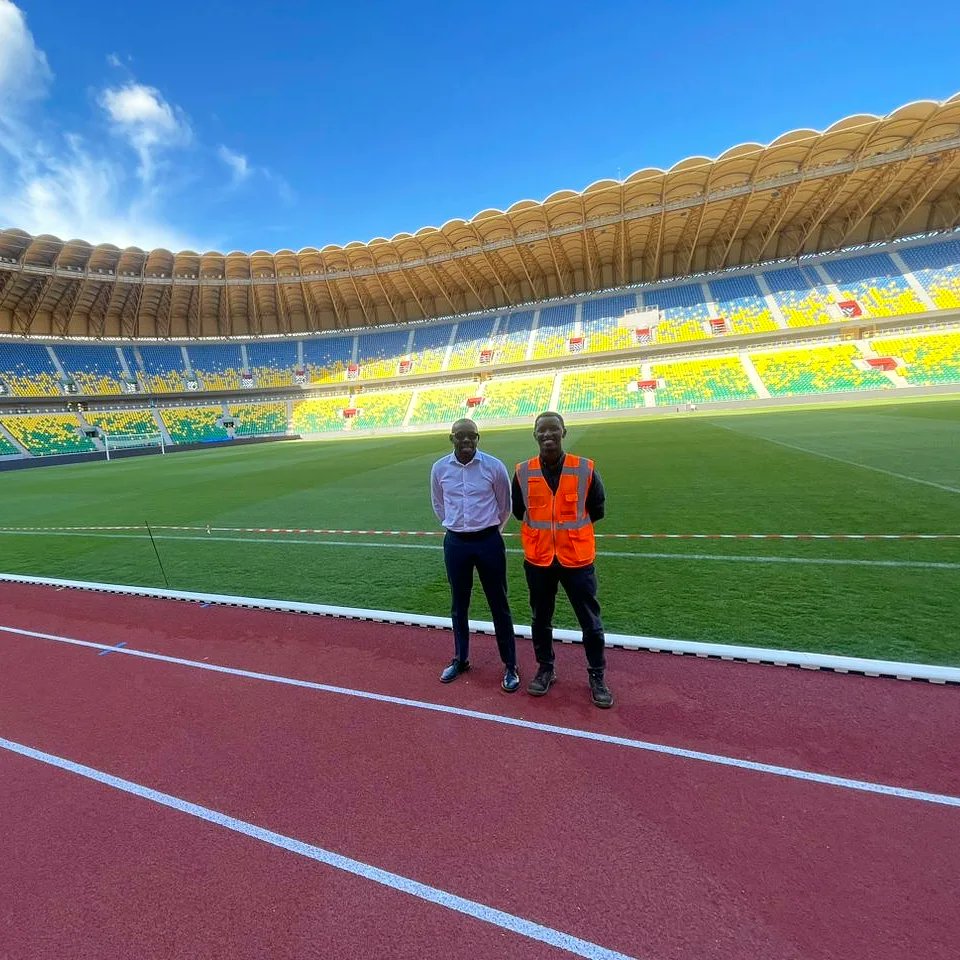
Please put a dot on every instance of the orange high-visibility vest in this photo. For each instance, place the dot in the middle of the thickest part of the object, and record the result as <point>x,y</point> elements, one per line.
<point>557,525</point>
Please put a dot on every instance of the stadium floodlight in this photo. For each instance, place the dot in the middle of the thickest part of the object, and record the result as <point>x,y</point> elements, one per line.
<point>133,441</point>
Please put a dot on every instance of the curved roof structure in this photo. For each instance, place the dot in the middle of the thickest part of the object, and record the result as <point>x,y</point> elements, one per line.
<point>863,179</point>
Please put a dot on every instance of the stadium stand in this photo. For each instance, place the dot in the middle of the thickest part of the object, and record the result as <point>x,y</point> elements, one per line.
<point>326,358</point>
<point>7,449</point>
<point>507,399</point>
<point>683,312</point>
<point>28,371</point>
<point>473,336</point>
<point>259,419</point>
<point>442,405</point>
<point>216,366</point>
<point>600,323</point>
<point>586,391</point>
<point>555,328</point>
<point>94,369</point>
<point>430,347</point>
<point>319,414</point>
<point>702,381</point>
<point>936,267</point>
<point>875,283</point>
<point>512,337</point>
<point>193,424</point>
<point>123,421</point>
<point>49,433</point>
<point>801,296</point>
<point>379,353</point>
<point>740,302</point>
<point>816,370</point>
<point>272,362</point>
<point>378,410</point>
<point>163,369</point>
<point>932,358</point>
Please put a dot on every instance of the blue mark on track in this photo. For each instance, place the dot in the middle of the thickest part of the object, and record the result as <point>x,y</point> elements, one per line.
<point>117,646</point>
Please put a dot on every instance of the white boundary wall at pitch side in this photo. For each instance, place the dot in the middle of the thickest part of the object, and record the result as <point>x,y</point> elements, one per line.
<point>786,658</point>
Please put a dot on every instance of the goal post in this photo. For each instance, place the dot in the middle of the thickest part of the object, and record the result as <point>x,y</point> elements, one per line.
<point>112,442</point>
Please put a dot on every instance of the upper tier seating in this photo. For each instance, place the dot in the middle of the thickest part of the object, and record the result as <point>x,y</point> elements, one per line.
<point>936,266</point>
<point>876,283</point>
<point>740,301</point>
<point>600,322</point>
<point>326,358</point>
<point>472,337</point>
<point>555,327</point>
<point>430,347</point>
<point>27,370</point>
<point>93,368</point>
<point>164,370</point>
<point>802,296</point>
<point>272,362</point>
<point>683,312</point>
<point>216,366</point>
<point>379,354</point>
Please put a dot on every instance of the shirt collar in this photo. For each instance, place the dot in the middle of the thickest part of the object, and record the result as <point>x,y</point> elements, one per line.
<point>478,456</point>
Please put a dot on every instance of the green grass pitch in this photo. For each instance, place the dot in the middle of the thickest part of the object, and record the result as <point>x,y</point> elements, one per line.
<point>866,469</point>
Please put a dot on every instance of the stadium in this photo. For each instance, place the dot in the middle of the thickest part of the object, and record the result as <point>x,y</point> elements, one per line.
<point>215,470</point>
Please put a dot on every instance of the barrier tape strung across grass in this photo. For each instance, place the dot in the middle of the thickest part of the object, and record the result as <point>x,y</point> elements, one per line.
<point>439,533</point>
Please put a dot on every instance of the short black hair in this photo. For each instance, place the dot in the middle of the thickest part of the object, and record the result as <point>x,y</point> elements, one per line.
<point>549,413</point>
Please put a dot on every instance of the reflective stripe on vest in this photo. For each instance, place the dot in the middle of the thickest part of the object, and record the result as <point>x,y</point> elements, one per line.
<point>582,472</point>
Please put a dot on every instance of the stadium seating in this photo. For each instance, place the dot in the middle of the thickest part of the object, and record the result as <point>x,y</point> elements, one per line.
<point>740,301</point>
<point>430,347</point>
<point>193,424</point>
<point>683,312</point>
<point>936,267</point>
<point>513,337</point>
<point>94,369</point>
<point>326,358</point>
<point>702,381</point>
<point>163,368</point>
<point>442,405</point>
<point>319,414</point>
<point>123,421</point>
<point>932,358</point>
<point>508,399</point>
<point>600,323</point>
<point>875,282</point>
<point>272,362</point>
<point>472,337</point>
<point>379,354</point>
<point>28,371</point>
<point>259,419</point>
<point>7,449</point>
<point>816,370</point>
<point>801,296</point>
<point>379,410</point>
<point>216,366</point>
<point>49,433</point>
<point>586,391</point>
<point>555,328</point>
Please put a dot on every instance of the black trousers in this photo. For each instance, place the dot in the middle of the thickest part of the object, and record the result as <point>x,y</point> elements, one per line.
<point>580,586</point>
<point>486,553</point>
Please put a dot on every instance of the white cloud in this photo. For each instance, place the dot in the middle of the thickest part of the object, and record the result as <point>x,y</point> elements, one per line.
<point>113,60</point>
<point>141,116</point>
<point>24,72</point>
<point>239,166</point>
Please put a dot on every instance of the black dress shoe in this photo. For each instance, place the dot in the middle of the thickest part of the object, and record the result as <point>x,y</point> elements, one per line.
<point>511,680</point>
<point>542,682</point>
<point>454,670</point>
<point>600,692</point>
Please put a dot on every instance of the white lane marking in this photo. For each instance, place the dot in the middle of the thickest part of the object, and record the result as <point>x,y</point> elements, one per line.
<point>864,786</point>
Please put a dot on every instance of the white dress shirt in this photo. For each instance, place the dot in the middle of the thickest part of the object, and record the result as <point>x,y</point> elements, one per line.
<point>470,496</point>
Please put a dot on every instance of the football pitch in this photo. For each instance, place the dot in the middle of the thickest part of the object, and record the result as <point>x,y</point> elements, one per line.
<point>878,469</point>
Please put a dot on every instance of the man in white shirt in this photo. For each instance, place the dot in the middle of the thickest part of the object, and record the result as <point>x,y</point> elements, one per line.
<point>471,498</point>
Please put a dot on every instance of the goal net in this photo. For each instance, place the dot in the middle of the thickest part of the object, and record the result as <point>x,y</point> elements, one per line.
<point>132,441</point>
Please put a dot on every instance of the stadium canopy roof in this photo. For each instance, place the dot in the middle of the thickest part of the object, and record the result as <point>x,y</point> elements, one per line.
<point>864,179</point>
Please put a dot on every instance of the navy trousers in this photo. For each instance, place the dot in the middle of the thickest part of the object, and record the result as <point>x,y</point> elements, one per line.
<point>486,553</point>
<point>580,586</point>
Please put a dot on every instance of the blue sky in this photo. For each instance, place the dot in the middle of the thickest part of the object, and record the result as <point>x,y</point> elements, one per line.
<point>235,125</point>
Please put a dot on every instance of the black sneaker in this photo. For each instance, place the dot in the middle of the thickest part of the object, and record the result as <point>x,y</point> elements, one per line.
<point>511,680</point>
<point>542,682</point>
<point>454,670</point>
<point>600,692</point>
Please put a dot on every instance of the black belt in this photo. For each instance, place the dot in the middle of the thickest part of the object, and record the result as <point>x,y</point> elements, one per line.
<point>473,534</point>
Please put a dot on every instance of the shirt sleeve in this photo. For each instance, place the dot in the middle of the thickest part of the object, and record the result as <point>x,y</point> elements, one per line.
<point>519,507</point>
<point>596,499</point>
<point>501,489</point>
<point>436,493</point>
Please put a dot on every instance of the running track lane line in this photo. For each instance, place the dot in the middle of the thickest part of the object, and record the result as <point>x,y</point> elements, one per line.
<point>864,786</point>
<point>391,545</point>
<point>450,901</point>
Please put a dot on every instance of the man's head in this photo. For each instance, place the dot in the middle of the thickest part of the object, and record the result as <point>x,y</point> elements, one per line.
<point>465,438</point>
<point>549,431</point>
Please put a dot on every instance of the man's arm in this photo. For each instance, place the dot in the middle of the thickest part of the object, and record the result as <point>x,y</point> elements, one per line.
<point>436,494</point>
<point>501,490</point>
<point>596,499</point>
<point>519,507</point>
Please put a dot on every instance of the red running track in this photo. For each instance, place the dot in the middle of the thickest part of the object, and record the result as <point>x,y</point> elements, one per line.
<point>651,855</point>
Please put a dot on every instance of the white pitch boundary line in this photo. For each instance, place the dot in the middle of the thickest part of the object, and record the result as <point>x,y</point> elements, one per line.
<point>795,658</point>
<point>395,881</point>
<point>864,786</point>
<point>394,545</point>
